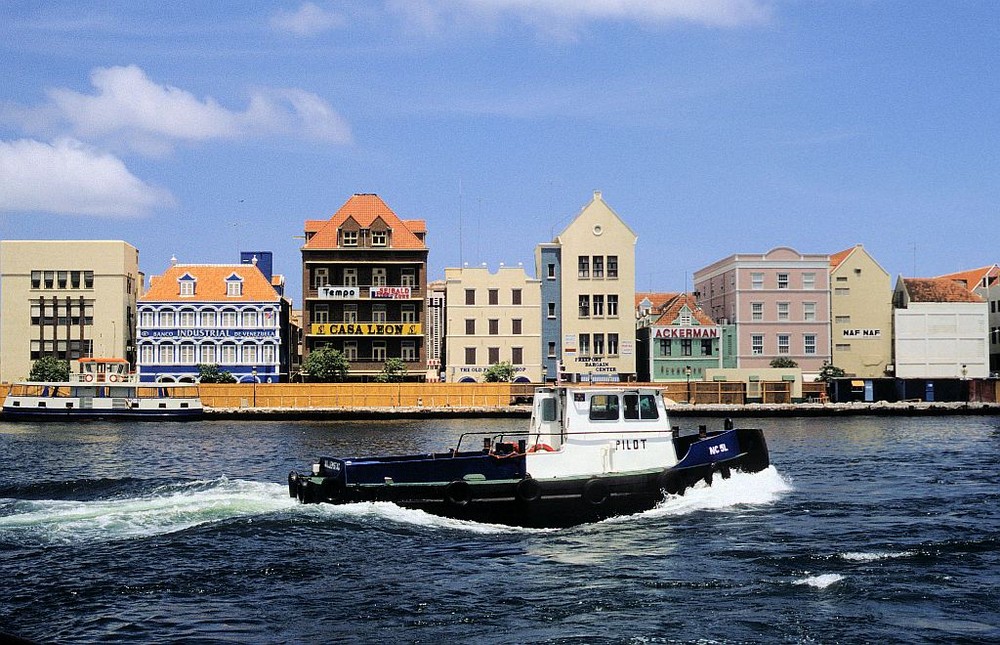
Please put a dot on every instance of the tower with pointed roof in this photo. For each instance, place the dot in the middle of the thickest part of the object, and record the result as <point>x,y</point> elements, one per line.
<point>364,282</point>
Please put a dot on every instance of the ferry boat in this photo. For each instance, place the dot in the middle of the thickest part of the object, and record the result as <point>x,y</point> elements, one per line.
<point>102,388</point>
<point>589,453</point>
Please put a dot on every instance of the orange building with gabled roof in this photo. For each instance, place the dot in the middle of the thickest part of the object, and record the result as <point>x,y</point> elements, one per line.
<point>364,281</point>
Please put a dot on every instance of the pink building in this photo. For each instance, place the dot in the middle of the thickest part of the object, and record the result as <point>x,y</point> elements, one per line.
<point>778,302</point>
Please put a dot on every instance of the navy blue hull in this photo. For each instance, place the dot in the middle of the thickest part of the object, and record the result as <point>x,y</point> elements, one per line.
<point>54,414</point>
<point>495,489</point>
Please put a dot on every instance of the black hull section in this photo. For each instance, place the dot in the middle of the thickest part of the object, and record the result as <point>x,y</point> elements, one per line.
<point>537,503</point>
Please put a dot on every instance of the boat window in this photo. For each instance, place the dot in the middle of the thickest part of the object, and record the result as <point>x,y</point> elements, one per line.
<point>647,407</point>
<point>549,410</point>
<point>631,406</point>
<point>604,407</point>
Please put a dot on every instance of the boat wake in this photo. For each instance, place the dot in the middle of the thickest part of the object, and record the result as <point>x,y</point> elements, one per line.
<point>165,509</point>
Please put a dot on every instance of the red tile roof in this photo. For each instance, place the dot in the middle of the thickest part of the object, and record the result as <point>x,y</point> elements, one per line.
<point>974,277</point>
<point>657,299</point>
<point>365,209</point>
<point>839,257</point>
<point>938,290</point>
<point>672,309</point>
<point>210,285</point>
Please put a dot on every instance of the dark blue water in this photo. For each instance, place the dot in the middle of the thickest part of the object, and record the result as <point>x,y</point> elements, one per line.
<point>865,529</point>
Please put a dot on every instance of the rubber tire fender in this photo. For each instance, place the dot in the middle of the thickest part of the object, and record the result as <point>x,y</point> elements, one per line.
<point>596,492</point>
<point>332,491</point>
<point>458,493</point>
<point>292,483</point>
<point>528,490</point>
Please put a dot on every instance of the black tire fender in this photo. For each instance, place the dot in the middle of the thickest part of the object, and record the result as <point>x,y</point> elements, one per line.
<point>528,490</point>
<point>293,478</point>
<point>458,493</point>
<point>596,492</point>
<point>332,491</point>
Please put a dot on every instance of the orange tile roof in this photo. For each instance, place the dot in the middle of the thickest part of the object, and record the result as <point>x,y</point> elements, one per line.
<point>365,209</point>
<point>938,290</point>
<point>974,277</point>
<point>837,258</point>
<point>657,299</point>
<point>672,309</point>
<point>211,284</point>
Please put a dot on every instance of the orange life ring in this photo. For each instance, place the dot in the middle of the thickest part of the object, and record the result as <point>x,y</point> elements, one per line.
<point>541,447</point>
<point>88,377</point>
<point>113,378</point>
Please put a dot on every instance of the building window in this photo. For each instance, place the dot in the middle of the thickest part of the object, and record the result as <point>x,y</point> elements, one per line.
<point>842,320</point>
<point>187,287</point>
<point>166,318</point>
<point>808,280</point>
<point>612,305</point>
<point>378,313</point>
<point>408,278</point>
<point>494,355</point>
<point>783,343</point>
<point>409,314</point>
<point>351,277</point>
<point>267,354</point>
<point>349,238</point>
<point>145,354</point>
<point>757,344</point>
<point>208,354</point>
<point>350,313</point>
<point>187,354</point>
<point>208,318</point>
<point>234,287</point>
<point>706,347</point>
<point>470,355</point>
<point>515,327</point>
<point>494,296</point>
<point>584,344</point>
<point>378,351</point>
<point>321,314</point>
<point>842,347</point>
<point>49,277</point>
<point>756,280</point>
<point>598,264</point>
<point>166,354</point>
<point>552,349</point>
<point>88,279</point>
<point>613,266</point>
<point>809,311</point>
<point>757,310</point>
<point>146,319</point>
<point>494,326</point>
<point>351,350</point>
<point>229,318</point>
<point>584,306</point>
<point>515,296</point>
<point>598,305</point>
<point>551,272</point>
<point>842,291</point>
<point>187,319</point>
<point>685,347</point>
<point>612,344</point>
<point>782,311</point>
<point>378,277</point>
<point>228,354</point>
<point>380,238</point>
<point>664,346</point>
<point>250,318</point>
<point>470,296</point>
<point>409,350</point>
<point>598,344</point>
<point>551,307</point>
<point>249,354</point>
<point>517,355</point>
<point>782,280</point>
<point>809,343</point>
<point>470,326</point>
<point>36,279</point>
<point>583,266</point>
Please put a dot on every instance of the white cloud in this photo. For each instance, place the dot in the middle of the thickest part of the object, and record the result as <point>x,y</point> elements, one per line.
<point>558,15</point>
<point>68,177</point>
<point>129,108</point>
<point>307,20</point>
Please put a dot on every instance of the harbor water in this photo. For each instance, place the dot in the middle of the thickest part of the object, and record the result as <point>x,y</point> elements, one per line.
<point>864,529</point>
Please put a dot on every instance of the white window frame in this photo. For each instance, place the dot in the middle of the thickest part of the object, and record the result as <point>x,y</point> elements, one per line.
<point>757,344</point>
<point>348,238</point>
<point>784,343</point>
<point>379,276</point>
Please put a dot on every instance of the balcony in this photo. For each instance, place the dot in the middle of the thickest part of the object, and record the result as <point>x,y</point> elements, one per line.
<point>365,292</point>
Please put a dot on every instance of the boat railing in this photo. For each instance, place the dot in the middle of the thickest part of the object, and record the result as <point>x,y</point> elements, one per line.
<point>491,439</point>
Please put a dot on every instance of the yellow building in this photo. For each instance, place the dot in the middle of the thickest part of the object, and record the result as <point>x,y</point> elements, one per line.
<point>861,314</point>
<point>67,299</point>
<point>492,318</point>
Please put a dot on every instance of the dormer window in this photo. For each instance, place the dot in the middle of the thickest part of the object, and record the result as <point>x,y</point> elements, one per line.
<point>349,238</point>
<point>186,284</point>
<point>234,285</point>
<point>380,238</point>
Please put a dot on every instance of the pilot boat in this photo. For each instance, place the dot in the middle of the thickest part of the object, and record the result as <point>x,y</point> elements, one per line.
<point>589,453</point>
<point>102,388</point>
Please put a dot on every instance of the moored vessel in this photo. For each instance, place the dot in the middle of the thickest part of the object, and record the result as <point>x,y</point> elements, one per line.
<point>589,453</point>
<point>102,388</point>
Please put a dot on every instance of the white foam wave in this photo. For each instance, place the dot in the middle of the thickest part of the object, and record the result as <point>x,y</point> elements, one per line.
<point>166,510</point>
<point>366,511</point>
<point>821,581</point>
<point>741,489</point>
<point>858,556</point>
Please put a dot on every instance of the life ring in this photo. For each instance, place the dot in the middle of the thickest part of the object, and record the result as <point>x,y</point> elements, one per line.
<point>458,493</point>
<point>596,492</point>
<point>528,490</point>
<point>113,378</point>
<point>88,378</point>
<point>541,447</point>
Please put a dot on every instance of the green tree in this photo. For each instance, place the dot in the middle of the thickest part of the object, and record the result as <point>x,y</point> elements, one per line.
<point>212,374</point>
<point>326,365</point>
<point>502,372</point>
<point>49,368</point>
<point>782,361</point>
<point>394,371</point>
<point>829,371</point>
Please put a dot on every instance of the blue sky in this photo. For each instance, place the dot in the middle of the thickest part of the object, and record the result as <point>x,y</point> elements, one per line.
<point>712,127</point>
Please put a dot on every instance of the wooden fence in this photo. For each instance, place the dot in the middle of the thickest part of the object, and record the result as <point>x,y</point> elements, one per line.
<point>356,395</point>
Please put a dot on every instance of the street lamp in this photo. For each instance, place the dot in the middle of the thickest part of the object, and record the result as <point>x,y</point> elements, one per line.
<point>253,373</point>
<point>687,373</point>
